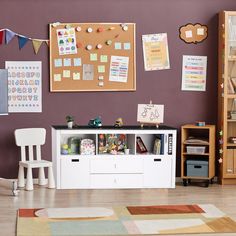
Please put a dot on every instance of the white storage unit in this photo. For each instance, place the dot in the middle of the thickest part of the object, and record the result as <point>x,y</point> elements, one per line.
<point>105,170</point>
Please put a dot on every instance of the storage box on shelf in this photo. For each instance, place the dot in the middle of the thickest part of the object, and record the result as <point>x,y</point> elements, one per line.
<point>110,166</point>
<point>197,153</point>
<point>227,97</point>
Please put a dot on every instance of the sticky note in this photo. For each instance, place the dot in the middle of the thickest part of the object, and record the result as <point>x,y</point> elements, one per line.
<point>100,83</point>
<point>57,77</point>
<point>77,62</point>
<point>188,34</point>
<point>76,76</point>
<point>100,77</point>
<point>66,73</point>
<point>103,58</point>
<point>126,46</point>
<point>101,69</point>
<point>200,31</point>
<point>58,62</point>
<point>93,57</point>
<point>117,46</point>
<point>67,62</point>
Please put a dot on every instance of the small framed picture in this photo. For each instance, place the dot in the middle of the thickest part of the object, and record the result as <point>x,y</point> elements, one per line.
<point>140,145</point>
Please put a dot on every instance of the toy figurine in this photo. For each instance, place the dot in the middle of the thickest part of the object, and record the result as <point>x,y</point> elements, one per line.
<point>97,122</point>
<point>119,122</point>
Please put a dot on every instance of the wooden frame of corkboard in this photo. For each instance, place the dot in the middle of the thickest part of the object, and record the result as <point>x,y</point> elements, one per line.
<point>110,31</point>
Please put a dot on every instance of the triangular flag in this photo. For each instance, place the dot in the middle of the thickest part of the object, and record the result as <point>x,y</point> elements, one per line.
<point>22,41</point>
<point>36,45</point>
<point>1,36</point>
<point>9,36</point>
<point>47,42</point>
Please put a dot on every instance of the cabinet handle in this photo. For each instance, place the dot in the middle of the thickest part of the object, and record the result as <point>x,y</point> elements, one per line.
<point>157,159</point>
<point>198,167</point>
<point>115,166</point>
<point>75,160</point>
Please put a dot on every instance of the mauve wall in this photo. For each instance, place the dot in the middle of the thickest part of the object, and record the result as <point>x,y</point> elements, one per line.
<point>31,18</point>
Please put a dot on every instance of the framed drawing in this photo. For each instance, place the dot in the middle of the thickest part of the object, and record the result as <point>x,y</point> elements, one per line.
<point>150,114</point>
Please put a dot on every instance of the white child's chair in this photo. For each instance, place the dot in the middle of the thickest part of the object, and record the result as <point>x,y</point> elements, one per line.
<point>27,139</point>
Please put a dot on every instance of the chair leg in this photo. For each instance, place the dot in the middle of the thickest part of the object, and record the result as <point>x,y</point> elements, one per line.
<point>51,181</point>
<point>29,180</point>
<point>42,180</point>
<point>21,177</point>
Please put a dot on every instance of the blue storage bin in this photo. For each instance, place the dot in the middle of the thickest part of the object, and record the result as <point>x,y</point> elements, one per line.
<point>197,168</point>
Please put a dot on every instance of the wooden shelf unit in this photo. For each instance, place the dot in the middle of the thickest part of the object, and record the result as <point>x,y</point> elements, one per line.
<point>226,97</point>
<point>206,133</point>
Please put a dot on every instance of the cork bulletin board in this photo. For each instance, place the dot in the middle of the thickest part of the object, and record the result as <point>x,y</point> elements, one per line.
<point>92,57</point>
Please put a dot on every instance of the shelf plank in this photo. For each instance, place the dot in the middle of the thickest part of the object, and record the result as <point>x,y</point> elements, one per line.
<point>196,177</point>
<point>231,144</point>
<point>200,144</point>
<point>199,154</point>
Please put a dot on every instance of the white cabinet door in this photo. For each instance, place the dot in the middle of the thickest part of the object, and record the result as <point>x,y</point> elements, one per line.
<point>157,172</point>
<point>74,173</point>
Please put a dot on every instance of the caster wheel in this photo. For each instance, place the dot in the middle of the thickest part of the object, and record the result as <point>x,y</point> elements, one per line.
<point>185,183</point>
<point>207,184</point>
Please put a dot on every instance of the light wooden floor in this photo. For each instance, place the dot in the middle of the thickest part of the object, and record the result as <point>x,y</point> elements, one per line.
<point>223,197</point>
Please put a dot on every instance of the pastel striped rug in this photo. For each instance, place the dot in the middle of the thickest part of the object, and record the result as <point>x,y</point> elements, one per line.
<point>124,220</point>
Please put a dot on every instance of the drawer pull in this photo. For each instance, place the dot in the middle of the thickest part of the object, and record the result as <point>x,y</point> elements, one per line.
<point>198,167</point>
<point>157,159</point>
<point>75,160</point>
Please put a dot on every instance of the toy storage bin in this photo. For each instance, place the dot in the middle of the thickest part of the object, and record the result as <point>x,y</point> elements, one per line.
<point>197,168</point>
<point>196,149</point>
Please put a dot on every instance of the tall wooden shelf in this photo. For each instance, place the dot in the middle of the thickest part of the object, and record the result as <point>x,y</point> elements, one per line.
<point>205,137</point>
<point>226,96</point>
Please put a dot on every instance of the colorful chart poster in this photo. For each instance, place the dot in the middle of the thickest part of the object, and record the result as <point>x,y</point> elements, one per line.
<point>155,52</point>
<point>119,69</point>
<point>24,86</point>
<point>66,41</point>
<point>194,73</point>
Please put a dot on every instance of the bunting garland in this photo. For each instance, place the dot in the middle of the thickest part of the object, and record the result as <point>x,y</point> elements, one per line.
<point>22,40</point>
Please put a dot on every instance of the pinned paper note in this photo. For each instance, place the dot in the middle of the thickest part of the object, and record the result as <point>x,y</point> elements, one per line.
<point>66,73</point>
<point>118,46</point>
<point>93,57</point>
<point>200,31</point>
<point>101,69</point>
<point>88,72</point>
<point>77,61</point>
<point>103,58</point>
<point>126,46</point>
<point>57,77</point>
<point>100,83</point>
<point>119,67</point>
<point>67,62</point>
<point>76,76</point>
<point>58,62</point>
<point>100,77</point>
<point>189,34</point>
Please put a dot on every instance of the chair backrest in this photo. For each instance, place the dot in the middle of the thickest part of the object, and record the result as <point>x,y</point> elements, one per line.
<point>30,137</point>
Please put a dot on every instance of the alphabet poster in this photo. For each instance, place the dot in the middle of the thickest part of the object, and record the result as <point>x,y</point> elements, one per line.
<point>194,73</point>
<point>24,86</point>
